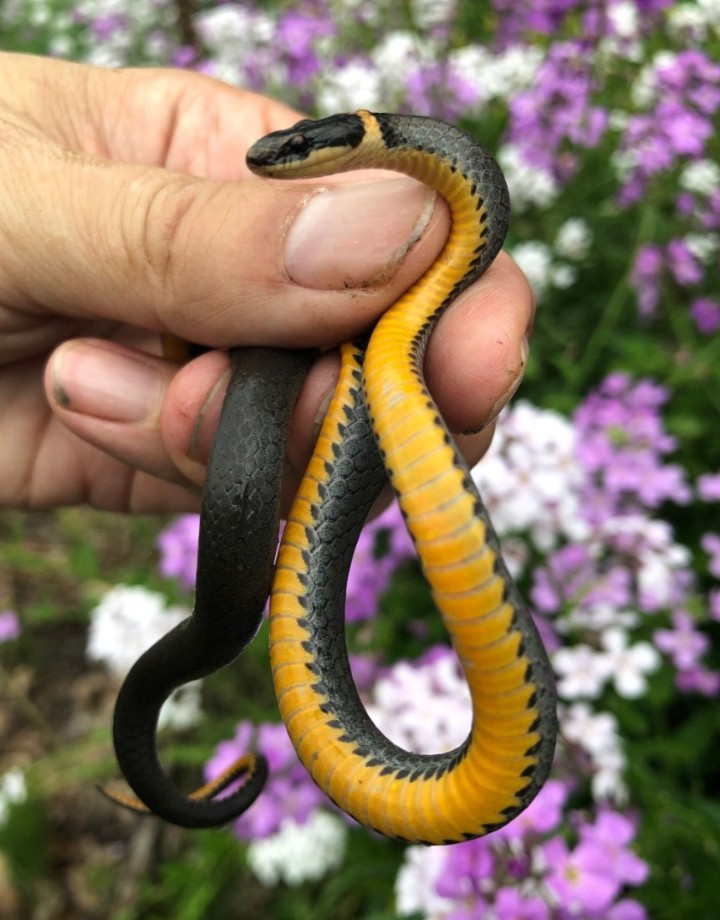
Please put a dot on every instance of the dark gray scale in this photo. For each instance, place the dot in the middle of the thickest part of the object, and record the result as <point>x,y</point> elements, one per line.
<point>327,571</point>
<point>238,537</point>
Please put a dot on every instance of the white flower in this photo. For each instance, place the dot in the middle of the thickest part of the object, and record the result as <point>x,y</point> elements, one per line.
<point>299,852</point>
<point>583,672</point>
<point>535,260</point>
<point>694,19</point>
<point>623,16</point>
<point>598,617</point>
<point>415,884</point>
<point>573,239</point>
<point>703,246</point>
<point>423,708</point>
<point>529,185</point>
<point>397,53</point>
<point>229,27</point>
<point>624,163</point>
<point>597,734</point>
<point>658,561</point>
<point>428,13</point>
<point>629,664</point>
<point>607,781</point>
<point>496,76</point>
<point>563,276</point>
<point>183,709</point>
<point>13,791</point>
<point>530,478</point>
<point>356,85</point>
<point>701,177</point>
<point>127,621</point>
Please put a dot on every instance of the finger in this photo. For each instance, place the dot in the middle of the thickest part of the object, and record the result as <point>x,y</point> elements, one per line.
<point>192,411</point>
<point>185,121</point>
<point>112,397</point>
<point>149,414</point>
<point>477,354</point>
<point>153,416</point>
<point>237,263</point>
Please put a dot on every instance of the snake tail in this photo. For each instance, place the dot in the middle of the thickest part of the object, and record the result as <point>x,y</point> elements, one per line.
<point>238,539</point>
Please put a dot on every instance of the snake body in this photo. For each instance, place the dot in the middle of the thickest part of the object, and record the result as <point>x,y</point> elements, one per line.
<point>238,539</point>
<point>383,422</point>
<point>489,779</point>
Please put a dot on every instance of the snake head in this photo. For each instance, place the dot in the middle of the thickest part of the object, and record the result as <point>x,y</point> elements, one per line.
<point>308,148</point>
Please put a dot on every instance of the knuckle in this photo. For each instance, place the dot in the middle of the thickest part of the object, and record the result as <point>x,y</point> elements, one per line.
<point>157,215</point>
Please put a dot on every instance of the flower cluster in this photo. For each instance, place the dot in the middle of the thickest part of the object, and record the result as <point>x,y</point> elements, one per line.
<point>678,94</point>
<point>299,852</point>
<point>528,870</point>
<point>293,836</point>
<point>126,622</point>
<point>290,794</point>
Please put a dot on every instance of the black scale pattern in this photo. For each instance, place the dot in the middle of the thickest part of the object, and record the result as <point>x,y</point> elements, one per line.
<point>238,538</point>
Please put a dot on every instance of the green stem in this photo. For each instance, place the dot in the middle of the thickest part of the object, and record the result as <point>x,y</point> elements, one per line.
<point>606,327</point>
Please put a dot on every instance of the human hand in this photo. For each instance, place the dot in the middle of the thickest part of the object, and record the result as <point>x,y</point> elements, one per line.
<point>122,217</point>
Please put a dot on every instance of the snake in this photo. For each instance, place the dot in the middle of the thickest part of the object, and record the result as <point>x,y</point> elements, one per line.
<point>383,424</point>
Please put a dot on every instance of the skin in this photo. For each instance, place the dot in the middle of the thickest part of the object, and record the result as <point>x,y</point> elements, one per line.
<point>127,212</point>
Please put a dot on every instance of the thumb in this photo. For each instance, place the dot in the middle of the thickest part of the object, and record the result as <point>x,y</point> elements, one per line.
<point>219,263</point>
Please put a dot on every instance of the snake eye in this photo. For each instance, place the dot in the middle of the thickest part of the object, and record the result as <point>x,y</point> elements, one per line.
<point>296,146</point>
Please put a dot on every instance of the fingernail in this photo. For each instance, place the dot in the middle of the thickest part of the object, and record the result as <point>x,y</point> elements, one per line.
<point>356,235</point>
<point>103,381</point>
<point>208,419</point>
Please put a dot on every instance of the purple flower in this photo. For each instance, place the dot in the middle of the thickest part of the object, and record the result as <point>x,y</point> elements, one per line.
<point>183,56</point>
<point>686,93</point>
<point>612,832</point>
<point>557,112</point>
<point>683,644</point>
<point>685,267</point>
<point>364,671</point>
<point>699,680</point>
<point>105,27</point>
<point>178,545</point>
<point>708,487</point>
<point>289,792</point>
<point>581,879</point>
<point>710,542</point>
<point>467,867</point>
<point>437,90</point>
<point>626,909</point>
<point>621,443</point>
<point>573,575</point>
<point>542,815</point>
<point>710,218</point>
<point>510,905</point>
<point>715,605</point>
<point>383,545</point>
<point>706,314</point>
<point>9,626</point>
<point>297,34</point>
<point>645,277</point>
